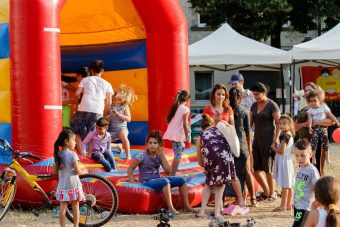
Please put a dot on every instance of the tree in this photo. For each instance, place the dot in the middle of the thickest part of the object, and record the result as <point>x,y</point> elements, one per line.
<point>260,19</point>
<point>310,14</point>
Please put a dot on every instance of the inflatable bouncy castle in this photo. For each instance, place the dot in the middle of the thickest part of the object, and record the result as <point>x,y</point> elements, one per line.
<point>144,45</point>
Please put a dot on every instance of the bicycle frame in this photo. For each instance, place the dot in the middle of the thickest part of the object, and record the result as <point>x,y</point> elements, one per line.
<point>31,179</point>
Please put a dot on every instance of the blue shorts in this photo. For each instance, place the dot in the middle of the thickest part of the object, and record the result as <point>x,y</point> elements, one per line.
<point>84,122</point>
<point>159,183</point>
<point>178,148</point>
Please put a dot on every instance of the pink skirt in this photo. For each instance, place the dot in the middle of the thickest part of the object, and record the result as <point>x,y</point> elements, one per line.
<point>76,194</point>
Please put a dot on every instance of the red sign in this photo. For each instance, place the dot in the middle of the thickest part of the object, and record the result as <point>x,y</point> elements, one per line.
<point>328,78</point>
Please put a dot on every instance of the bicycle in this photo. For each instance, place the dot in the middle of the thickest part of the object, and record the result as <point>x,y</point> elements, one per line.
<point>101,201</point>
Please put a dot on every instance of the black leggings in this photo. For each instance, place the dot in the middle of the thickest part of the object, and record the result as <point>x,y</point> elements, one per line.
<point>318,158</point>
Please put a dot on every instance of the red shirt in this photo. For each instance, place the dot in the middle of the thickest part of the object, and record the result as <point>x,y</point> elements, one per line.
<point>211,113</point>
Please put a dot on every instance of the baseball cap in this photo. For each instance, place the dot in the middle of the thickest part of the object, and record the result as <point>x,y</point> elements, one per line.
<point>236,77</point>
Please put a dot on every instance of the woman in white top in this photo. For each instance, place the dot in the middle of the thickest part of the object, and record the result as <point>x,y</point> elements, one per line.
<point>96,97</point>
<point>327,196</point>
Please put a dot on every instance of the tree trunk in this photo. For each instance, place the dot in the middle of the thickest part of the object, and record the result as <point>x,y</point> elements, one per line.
<point>275,38</point>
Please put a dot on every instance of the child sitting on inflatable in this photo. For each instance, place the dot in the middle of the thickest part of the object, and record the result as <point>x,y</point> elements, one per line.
<point>99,142</point>
<point>149,163</point>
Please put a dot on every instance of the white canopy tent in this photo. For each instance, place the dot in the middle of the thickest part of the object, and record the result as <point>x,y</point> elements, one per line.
<point>227,50</point>
<point>225,46</point>
<point>325,48</point>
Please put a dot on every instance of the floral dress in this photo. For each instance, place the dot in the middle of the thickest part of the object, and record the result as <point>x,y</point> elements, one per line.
<point>218,159</point>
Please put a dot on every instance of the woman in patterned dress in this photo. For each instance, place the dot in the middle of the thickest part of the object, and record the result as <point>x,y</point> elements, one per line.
<point>213,153</point>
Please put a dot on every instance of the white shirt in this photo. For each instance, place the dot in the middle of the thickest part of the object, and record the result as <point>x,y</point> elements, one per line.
<point>319,114</point>
<point>95,89</point>
<point>322,218</point>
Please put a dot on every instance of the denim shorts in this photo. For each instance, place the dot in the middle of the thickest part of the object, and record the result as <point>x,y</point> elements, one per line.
<point>159,183</point>
<point>178,148</point>
<point>84,122</point>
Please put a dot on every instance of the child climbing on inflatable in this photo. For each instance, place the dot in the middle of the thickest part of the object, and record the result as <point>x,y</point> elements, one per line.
<point>149,163</point>
<point>283,171</point>
<point>327,196</point>
<point>178,129</point>
<point>69,187</point>
<point>120,115</point>
<point>99,142</point>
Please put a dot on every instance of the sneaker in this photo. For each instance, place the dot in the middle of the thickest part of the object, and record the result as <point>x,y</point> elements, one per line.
<point>231,210</point>
<point>234,210</point>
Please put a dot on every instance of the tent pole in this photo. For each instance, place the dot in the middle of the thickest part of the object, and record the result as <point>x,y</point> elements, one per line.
<point>282,90</point>
<point>292,84</point>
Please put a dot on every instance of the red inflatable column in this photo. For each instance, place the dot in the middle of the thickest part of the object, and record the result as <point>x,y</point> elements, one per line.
<point>35,75</point>
<point>167,55</point>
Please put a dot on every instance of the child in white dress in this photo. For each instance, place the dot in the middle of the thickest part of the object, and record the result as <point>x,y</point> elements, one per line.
<point>283,168</point>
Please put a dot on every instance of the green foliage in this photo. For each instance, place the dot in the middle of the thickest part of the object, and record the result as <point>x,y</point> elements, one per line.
<point>260,19</point>
<point>308,14</point>
<point>253,18</point>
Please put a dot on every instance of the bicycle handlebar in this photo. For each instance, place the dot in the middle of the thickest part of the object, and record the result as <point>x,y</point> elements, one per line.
<point>17,153</point>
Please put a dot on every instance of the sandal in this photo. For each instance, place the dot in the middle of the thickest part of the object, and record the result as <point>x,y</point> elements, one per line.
<point>272,198</point>
<point>253,202</point>
<point>262,197</point>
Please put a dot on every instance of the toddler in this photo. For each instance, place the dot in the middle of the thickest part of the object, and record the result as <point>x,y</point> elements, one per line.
<point>319,111</point>
<point>120,115</point>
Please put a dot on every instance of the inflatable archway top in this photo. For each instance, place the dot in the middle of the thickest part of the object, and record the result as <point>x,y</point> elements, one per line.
<point>93,22</point>
<point>122,33</point>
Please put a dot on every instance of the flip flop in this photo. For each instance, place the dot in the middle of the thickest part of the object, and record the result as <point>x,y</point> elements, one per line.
<point>243,210</point>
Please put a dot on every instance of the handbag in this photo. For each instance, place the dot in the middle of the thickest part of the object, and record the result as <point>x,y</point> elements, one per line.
<point>230,135</point>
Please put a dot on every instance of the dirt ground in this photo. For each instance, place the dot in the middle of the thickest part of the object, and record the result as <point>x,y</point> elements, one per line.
<point>263,214</point>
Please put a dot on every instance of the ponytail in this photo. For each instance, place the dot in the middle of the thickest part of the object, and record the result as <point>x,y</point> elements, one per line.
<point>332,217</point>
<point>327,192</point>
<point>182,96</point>
<point>207,121</point>
<point>59,144</point>
<point>234,95</point>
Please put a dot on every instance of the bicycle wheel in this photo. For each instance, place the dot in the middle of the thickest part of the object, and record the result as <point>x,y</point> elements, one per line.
<point>7,193</point>
<point>101,201</point>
